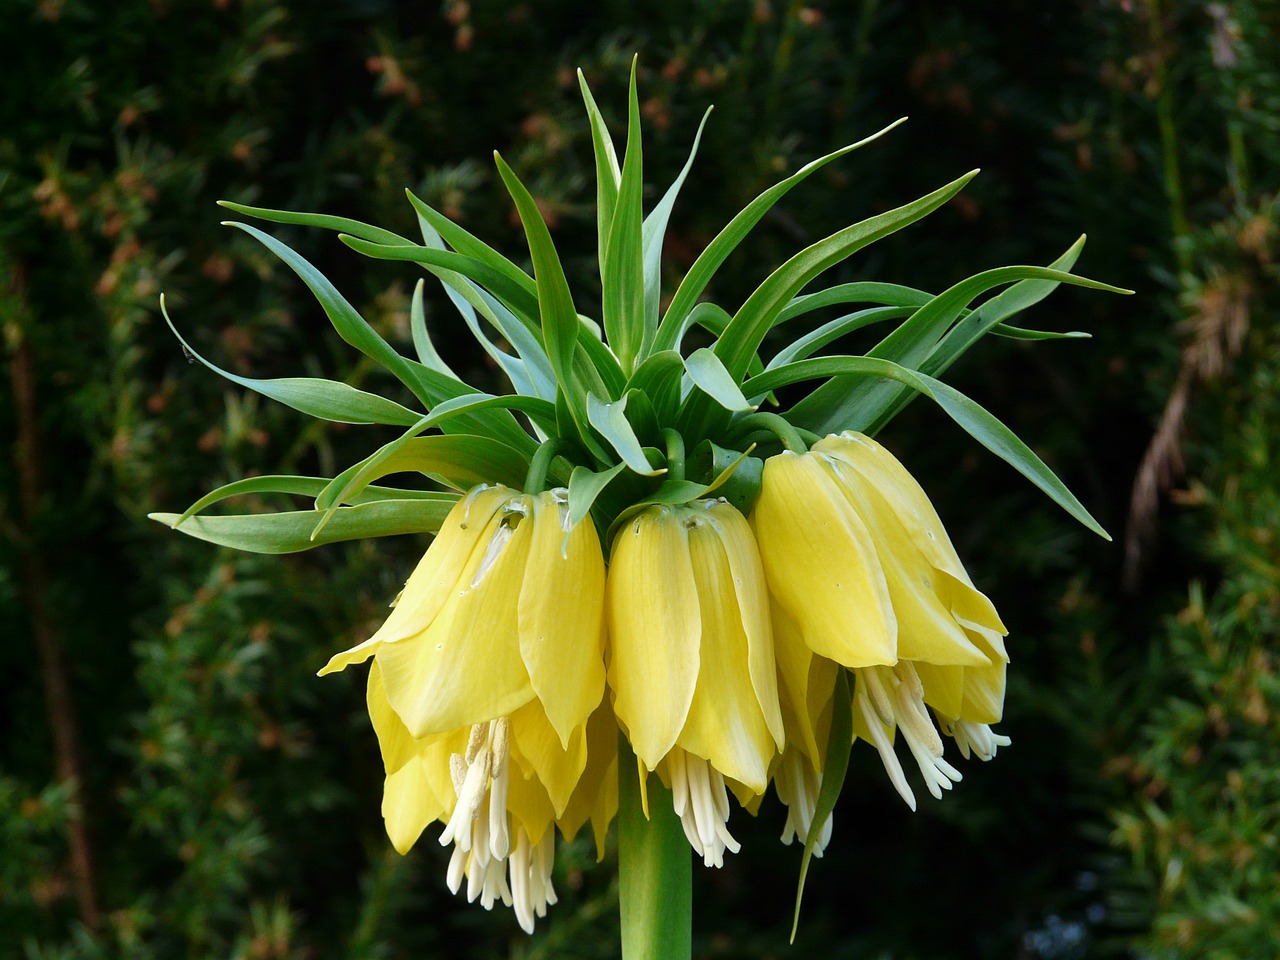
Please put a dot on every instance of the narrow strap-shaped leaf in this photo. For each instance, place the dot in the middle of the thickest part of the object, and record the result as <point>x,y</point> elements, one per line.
<point>753,320</point>
<point>622,278</point>
<point>495,281</point>
<point>430,386</point>
<point>299,486</point>
<point>325,399</point>
<point>611,420</point>
<point>352,327</point>
<point>976,421</point>
<point>708,262</point>
<point>654,232</point>
<point>502,464</point>
<point>834,768</point>
<point>1022,333</point>
<point>464,294</point>
<point>608,176</point>
<point>426,350</point>
<point>863,291</point>
<point>489,420</point>
<point>710,376</point>
<point>914,343</point>
<point>833,330</point>
<point>323,221</point>
<point>290,532</point>
<point>471,246</point>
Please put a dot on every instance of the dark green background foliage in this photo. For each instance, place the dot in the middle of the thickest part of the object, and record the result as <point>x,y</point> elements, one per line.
<point>228,800</point>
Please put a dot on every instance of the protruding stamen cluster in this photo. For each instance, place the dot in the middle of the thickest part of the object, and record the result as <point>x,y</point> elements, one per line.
<point>893,697</point>
<point>976,738</point>
<point>480,831</point>
<point>701,802</point>
<point>798,784</point>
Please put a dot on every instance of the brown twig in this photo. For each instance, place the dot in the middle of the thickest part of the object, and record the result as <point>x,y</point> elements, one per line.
<point>53,665</point>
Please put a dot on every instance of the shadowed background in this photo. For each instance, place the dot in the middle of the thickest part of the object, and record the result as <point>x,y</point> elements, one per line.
<point>175,782</point>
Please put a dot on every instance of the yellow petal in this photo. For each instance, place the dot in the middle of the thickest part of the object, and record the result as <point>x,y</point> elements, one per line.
<point>984,686</point>
<point>927,631</point>
<point>465,667</point>
<point>747,575</point>
<point>561,616</point>
<point>821,565</point>
<point>435,577</point>
<point>725,725</point>
<point>530,806</point>
<point>944,687</point>
<point>539,753</point>
<point>654,631</point>
<point>408,805</point>
<point>394,740</point>
<point>595,797</point>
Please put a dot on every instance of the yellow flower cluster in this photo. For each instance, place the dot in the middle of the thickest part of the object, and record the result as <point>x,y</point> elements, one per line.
<point>711,640</point>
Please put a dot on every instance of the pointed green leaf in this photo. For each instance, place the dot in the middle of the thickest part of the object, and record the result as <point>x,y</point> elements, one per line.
<point>299,486</point>
<point>496,282</point>
<point>608,176</point>
<point>710,376</point>
<point>1022,333</point>
<point>467,245</point>
<point>654,231</point>
<point>833,330</point>
<point>290,531</point>
<point>834,769</point>
<point>611,420</point>
<point>325,399</point>
<point>584,486</point>
<point>976,421</point>
<point>863,291</point>
<point>708,262</point>
<point>753,320</point>
<point>622,278</point>
<point>323,221</point>
<point>421,338</point>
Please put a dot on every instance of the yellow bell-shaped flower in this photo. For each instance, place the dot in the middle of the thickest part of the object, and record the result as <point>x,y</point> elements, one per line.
<point>860,566</point>
<point>505,608</point>
<point>691,660</point>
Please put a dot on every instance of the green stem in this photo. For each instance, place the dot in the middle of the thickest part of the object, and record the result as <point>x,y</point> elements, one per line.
<point>675,453</point>
<point>780,427</point>
<point>535,481</point>
<point>655,870</point>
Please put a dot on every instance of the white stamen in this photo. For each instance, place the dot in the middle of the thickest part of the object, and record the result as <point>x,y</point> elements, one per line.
<point>530,868</point>
<point>978,738</point>
<point>885,748</point>
<point>701,801</point>
<point>797,785</point>
<point>499,836</point>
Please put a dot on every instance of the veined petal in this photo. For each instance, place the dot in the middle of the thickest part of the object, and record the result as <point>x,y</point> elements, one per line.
<point>408,805</point>
<point>944,687</point>
<point>726,725</point>
<point>821,565</point>
<point>561,616</point>
<point>465,667</point>
<point>927,632</point>
<point>747,574</point>
<point>984,686</point>
<point>539,754</point>
<point>435,577</point>
<point>655,629</point>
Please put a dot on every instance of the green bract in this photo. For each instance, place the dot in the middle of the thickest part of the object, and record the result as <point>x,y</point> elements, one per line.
<point>625,417</point>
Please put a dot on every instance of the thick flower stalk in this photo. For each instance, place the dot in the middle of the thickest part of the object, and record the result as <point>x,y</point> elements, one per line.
<point>631,560</point>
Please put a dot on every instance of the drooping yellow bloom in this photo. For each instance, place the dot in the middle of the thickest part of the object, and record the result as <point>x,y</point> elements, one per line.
<point>505,607</point>
<point>858,561</point>
<point>484,677</point>
<point>691,660</point>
